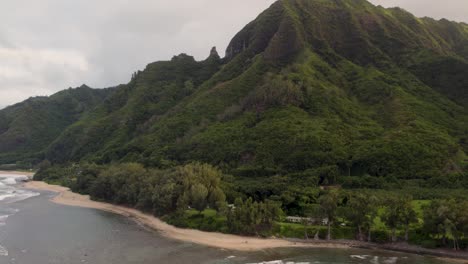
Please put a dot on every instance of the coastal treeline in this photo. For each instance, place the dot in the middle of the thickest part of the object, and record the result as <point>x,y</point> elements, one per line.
<point>160,192</point>
<point>198,195</point>
<point>252,217</point>
<point>169,193</point>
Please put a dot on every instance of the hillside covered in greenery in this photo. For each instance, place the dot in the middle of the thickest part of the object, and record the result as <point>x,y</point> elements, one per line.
<point>337,109</point>
<point>331,91</point>
<point>27,128</point>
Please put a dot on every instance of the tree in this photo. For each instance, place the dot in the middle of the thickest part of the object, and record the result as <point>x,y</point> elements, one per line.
<point>217,200</point>
<point>309,210</point>
<point>201,186</point>
<point>85,176</point>
<point>437,219</point>
<point>408,215</point>
<point>361,211</point>
<point>249,217</point>
<point>391,216</point>
<point>165,191</point>
<point>126,182</point>
<point>446,218</point>
<point>44,165</point>
<point>199,197</point>
<point>329,205</point>
<point>205,174</point>
<point>399,211</point>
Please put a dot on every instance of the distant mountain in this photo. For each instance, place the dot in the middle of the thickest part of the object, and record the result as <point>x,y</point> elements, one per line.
<point>29,127</point>
<point>326,88</point>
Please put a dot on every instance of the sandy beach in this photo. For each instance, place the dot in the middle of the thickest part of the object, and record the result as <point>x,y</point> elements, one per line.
<point>26,173</point>
<point>211,239</point>
<point>218,240</point>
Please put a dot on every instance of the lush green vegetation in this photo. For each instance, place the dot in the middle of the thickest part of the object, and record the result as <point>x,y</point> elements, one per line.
<point>158,191</point>
<point>365,114</point>
<point>193,196</point>
<point>27,128</point>
<point>313,94</point>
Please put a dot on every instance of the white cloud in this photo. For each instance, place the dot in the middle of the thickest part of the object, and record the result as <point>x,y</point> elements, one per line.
<point>451,9</point>
<point>25,72</point>
<point>37,59</point>
<point>63,43</point>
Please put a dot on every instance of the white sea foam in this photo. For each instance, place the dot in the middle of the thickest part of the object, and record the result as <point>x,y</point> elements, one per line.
<point>21,195</point>
<point>3,221</point>
<point>280,262</point>
<point>5,196</point>
<point>3,251</point>
<point>3,218</point>
<point>9,193</point>
<point>9,180</point>
<point>376,259</point>
<point>359,256</point>
<point>391,260</point>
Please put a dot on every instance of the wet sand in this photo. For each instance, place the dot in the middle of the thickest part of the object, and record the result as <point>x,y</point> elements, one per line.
<point>26,173</point>
<point>211,239</point>
<point>217,240</point>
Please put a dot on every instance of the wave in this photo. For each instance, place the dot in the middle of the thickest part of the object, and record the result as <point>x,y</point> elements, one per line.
<point>364,258</point>
<point>21,195</point>
<point>9,180</point>
<point>376,259</point>
<point>3,218</point>
<point>280,262</point>
<point>3,251</point>
<point>6,196</point>
<point>9,193</point>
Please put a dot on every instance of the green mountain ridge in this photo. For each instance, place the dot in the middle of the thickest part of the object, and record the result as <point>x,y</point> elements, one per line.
<point>326,90</point>
<point>28,127</point>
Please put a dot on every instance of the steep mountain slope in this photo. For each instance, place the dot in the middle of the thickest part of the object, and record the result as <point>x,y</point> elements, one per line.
<point>126,114</point>
<point>319,89</point>
<point>29,127</point>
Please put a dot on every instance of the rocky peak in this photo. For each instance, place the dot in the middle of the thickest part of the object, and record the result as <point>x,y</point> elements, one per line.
<point>214,53</point>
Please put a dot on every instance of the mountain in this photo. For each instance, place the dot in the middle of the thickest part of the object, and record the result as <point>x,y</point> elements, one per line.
<point>29,127</point>
<point>331,90</point>
<point>101,135</point>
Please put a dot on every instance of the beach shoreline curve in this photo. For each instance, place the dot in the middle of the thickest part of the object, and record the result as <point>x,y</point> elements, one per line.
<point>65,196</point>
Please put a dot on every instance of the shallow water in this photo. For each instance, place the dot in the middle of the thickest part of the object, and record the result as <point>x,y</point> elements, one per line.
<point>40,232</point>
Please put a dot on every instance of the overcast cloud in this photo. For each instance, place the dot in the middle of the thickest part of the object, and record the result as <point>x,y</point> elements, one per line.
<point>50,45</point>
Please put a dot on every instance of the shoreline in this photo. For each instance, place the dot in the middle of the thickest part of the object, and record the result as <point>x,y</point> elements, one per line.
<point>218,240</point>
<point>26,173</point>
<point>226,241</point>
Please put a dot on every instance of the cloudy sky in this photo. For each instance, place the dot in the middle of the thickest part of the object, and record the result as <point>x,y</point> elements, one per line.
<point>50,45</point>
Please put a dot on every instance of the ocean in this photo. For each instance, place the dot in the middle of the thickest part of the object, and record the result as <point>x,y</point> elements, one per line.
<point>35,231</point>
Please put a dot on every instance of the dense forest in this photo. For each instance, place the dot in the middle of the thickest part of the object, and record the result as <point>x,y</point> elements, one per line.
<point>315,103</point>
<point>30,126</point>
<point>200,196</point>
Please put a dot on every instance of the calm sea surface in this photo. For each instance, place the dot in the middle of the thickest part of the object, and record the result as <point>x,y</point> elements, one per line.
<point>36,231</point>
